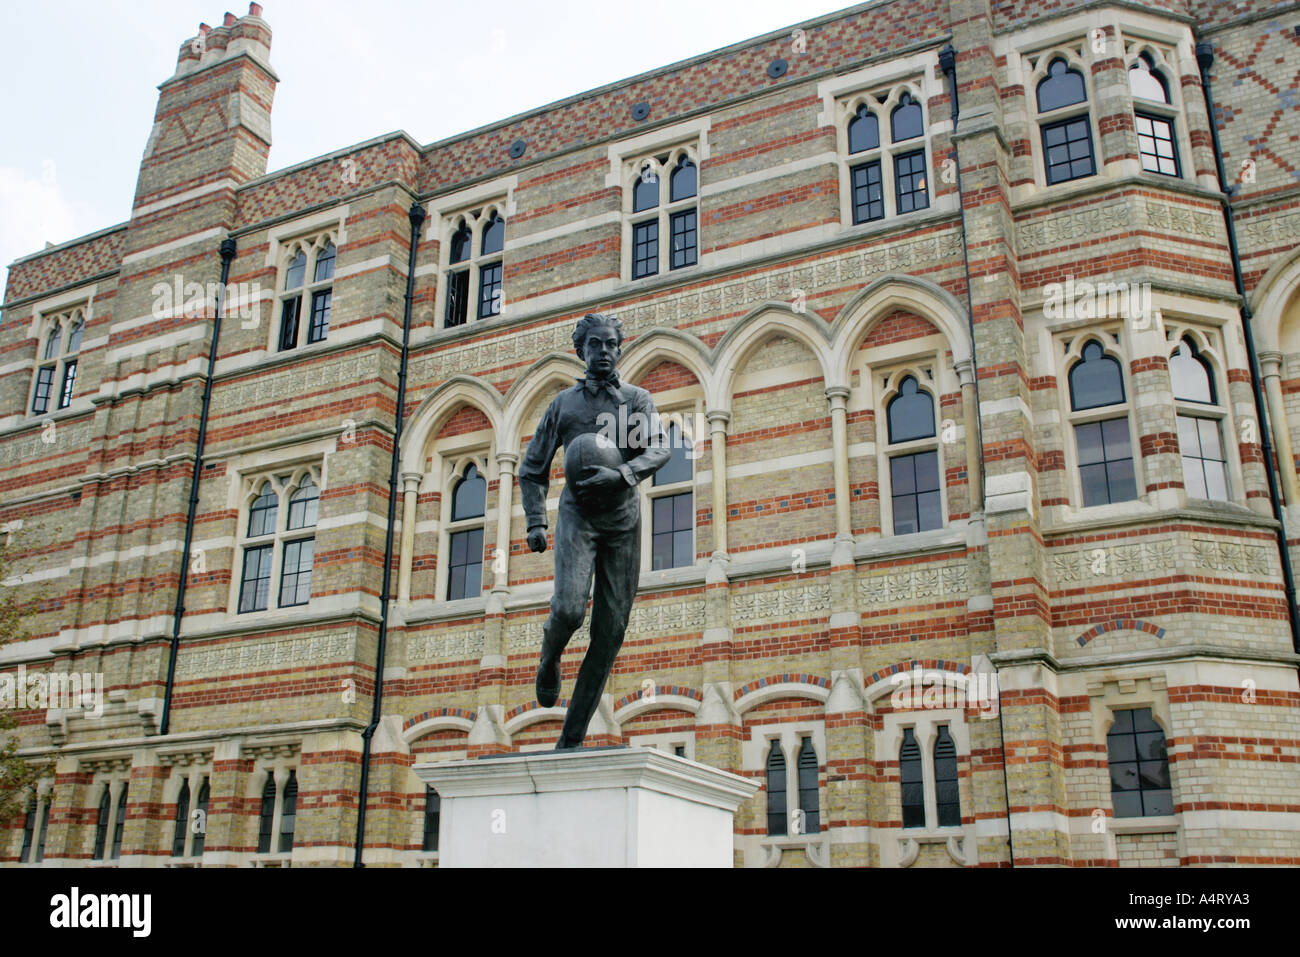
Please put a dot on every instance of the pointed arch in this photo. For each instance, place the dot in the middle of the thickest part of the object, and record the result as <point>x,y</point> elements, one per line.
<point>550,368</point>
<point>881,298</point>
<point>750,332</point>
<point>673,345</point>
<point>1277,294</point>
<point>439,406</point>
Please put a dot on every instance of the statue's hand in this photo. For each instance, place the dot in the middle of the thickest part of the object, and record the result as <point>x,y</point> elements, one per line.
<point>600,479</point>
<point>537,538</point>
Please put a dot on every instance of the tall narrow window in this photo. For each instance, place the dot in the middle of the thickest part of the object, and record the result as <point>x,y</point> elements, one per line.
<point>906,123</point>
<point>1157,144</point>
<point>776,790</point>
<point>101,824</point>
<point>1067,142</point>
<point>1139,765</point>
<point>1105,452</point>
<point>911,777</point>
<point>288,812</point>
<point>44,828</point>
<point>672,528</point>
<point>432,809</point>
<point>255,582</point>
<point>913,460</point>
<point>1200,424</point>
<point>864,177</point>
<point>465,536</point>
<point>306,292</point>
<point>947,794</point>
<point>182,823</point>
<point>29,827</point>
<point>809,793</point>
<point>266,819</point>
<point>295,570</point>
<point>199,823</point>
<point>662,201</point>
<point>56,369</point>
<point>475,245</point>
<point>119,823</point>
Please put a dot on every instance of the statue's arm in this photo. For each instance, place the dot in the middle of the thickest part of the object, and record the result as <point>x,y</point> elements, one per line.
<point>535,470</point>
<point>655,453</point>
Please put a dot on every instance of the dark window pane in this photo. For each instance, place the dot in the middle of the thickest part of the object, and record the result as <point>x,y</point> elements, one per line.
<point>119,825</point>
<point>181,827</point>
<point>1139,765</point>
<point>914,480</point>
<point>289,812</point>
<point>199,822</point>
<point>685,239</point>
<point>905,122</point>
<point>101,825</point>
<point>1095,380</point>
<point>261,514</point>
<point>267,817</point>
<point>672,544</point>
<point>45,831</point>
<point>776,790</point>
<point>324,264</point>
<point>465,570</point>
<point>44,383</point>
<point>1061,87</point>
<point>69,380</point>
<point>255,583</point>
<point>52,343</point>
<point>868,193</point>
<point>927,472</point>
<point>74,337</point>
<point>489,286</point>
<point>295,575</point>
<point>297,271</point>
<point>910,413</point>
<point>457,298</point>
<point>1088,437</point>
<point>29,828</point>
<point>678,468</point>
<point>1067,150</point>
<point>494,235</point>
<point>645,249</point>
<point>289,323</point>
<point>432,812</point>
<point>910,183</point>
<point>864,131</point>
<point>460,244</point>
<point>304,505</point>
<point>902,473</point>
<point>645,194</point>
<point>809,795</point>
<point>683,182</point>
<point>319,324</point>
<point>469,500</point>
<point>910,776</point>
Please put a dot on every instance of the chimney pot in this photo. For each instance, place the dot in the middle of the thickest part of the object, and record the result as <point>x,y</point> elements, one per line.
<point>230,20</point>
<point>254,9</point>
<point>204,28</point>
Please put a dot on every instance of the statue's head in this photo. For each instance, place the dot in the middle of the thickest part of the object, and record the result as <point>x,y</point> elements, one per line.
<point>598,341</point>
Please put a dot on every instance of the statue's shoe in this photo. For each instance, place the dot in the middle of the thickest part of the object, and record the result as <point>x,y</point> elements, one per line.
<point>548,683</point>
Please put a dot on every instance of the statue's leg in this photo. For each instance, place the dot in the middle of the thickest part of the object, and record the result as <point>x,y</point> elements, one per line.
<point>618,567</point>
<point>575,557</point>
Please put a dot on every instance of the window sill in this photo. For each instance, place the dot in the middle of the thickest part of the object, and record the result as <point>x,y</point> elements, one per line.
<point>427,859</point>
<point>817,848</point>
<point>1144,825</point>
<point>956,841</point>
<point>271,860</point>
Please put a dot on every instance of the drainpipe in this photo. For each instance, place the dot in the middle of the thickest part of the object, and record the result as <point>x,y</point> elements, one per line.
<point>948,64</point>
<point>416,215</point>
<point>1205,60</point>
<point>227,250</point>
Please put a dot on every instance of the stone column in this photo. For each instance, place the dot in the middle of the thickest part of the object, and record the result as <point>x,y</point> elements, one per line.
<point>1271,366</point>
<point>837,396</point>
<point>718,421</point>
<point>970,422</point>
<point>506,462</point>
<point>410,496</point>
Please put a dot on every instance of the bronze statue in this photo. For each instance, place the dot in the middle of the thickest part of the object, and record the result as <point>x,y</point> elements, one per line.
<point>598,533</point>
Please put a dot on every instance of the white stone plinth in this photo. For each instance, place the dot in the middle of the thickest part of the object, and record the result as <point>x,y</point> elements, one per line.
<point>597,807</point>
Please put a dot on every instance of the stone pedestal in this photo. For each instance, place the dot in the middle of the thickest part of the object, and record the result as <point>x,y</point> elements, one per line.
<point>594,807</point>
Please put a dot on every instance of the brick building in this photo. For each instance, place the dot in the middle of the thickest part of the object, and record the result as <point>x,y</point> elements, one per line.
<point>976,410</point>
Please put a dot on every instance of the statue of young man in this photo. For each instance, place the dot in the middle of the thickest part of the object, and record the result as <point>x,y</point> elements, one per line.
<point>598,533</point>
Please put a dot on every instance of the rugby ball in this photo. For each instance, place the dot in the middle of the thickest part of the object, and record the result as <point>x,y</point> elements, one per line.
<point>581,456</point>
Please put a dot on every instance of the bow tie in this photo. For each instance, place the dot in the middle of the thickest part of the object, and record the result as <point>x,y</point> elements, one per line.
<point>593,385</point>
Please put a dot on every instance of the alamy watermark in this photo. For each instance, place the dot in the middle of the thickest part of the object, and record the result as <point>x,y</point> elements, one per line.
<point>636,429</point>
<point>198,300</point>
<point>928,689</point>
<point>56,689</point>
<point>1080,299</point>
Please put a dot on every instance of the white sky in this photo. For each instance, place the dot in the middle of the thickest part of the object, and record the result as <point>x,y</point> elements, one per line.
<point>80,81</point>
